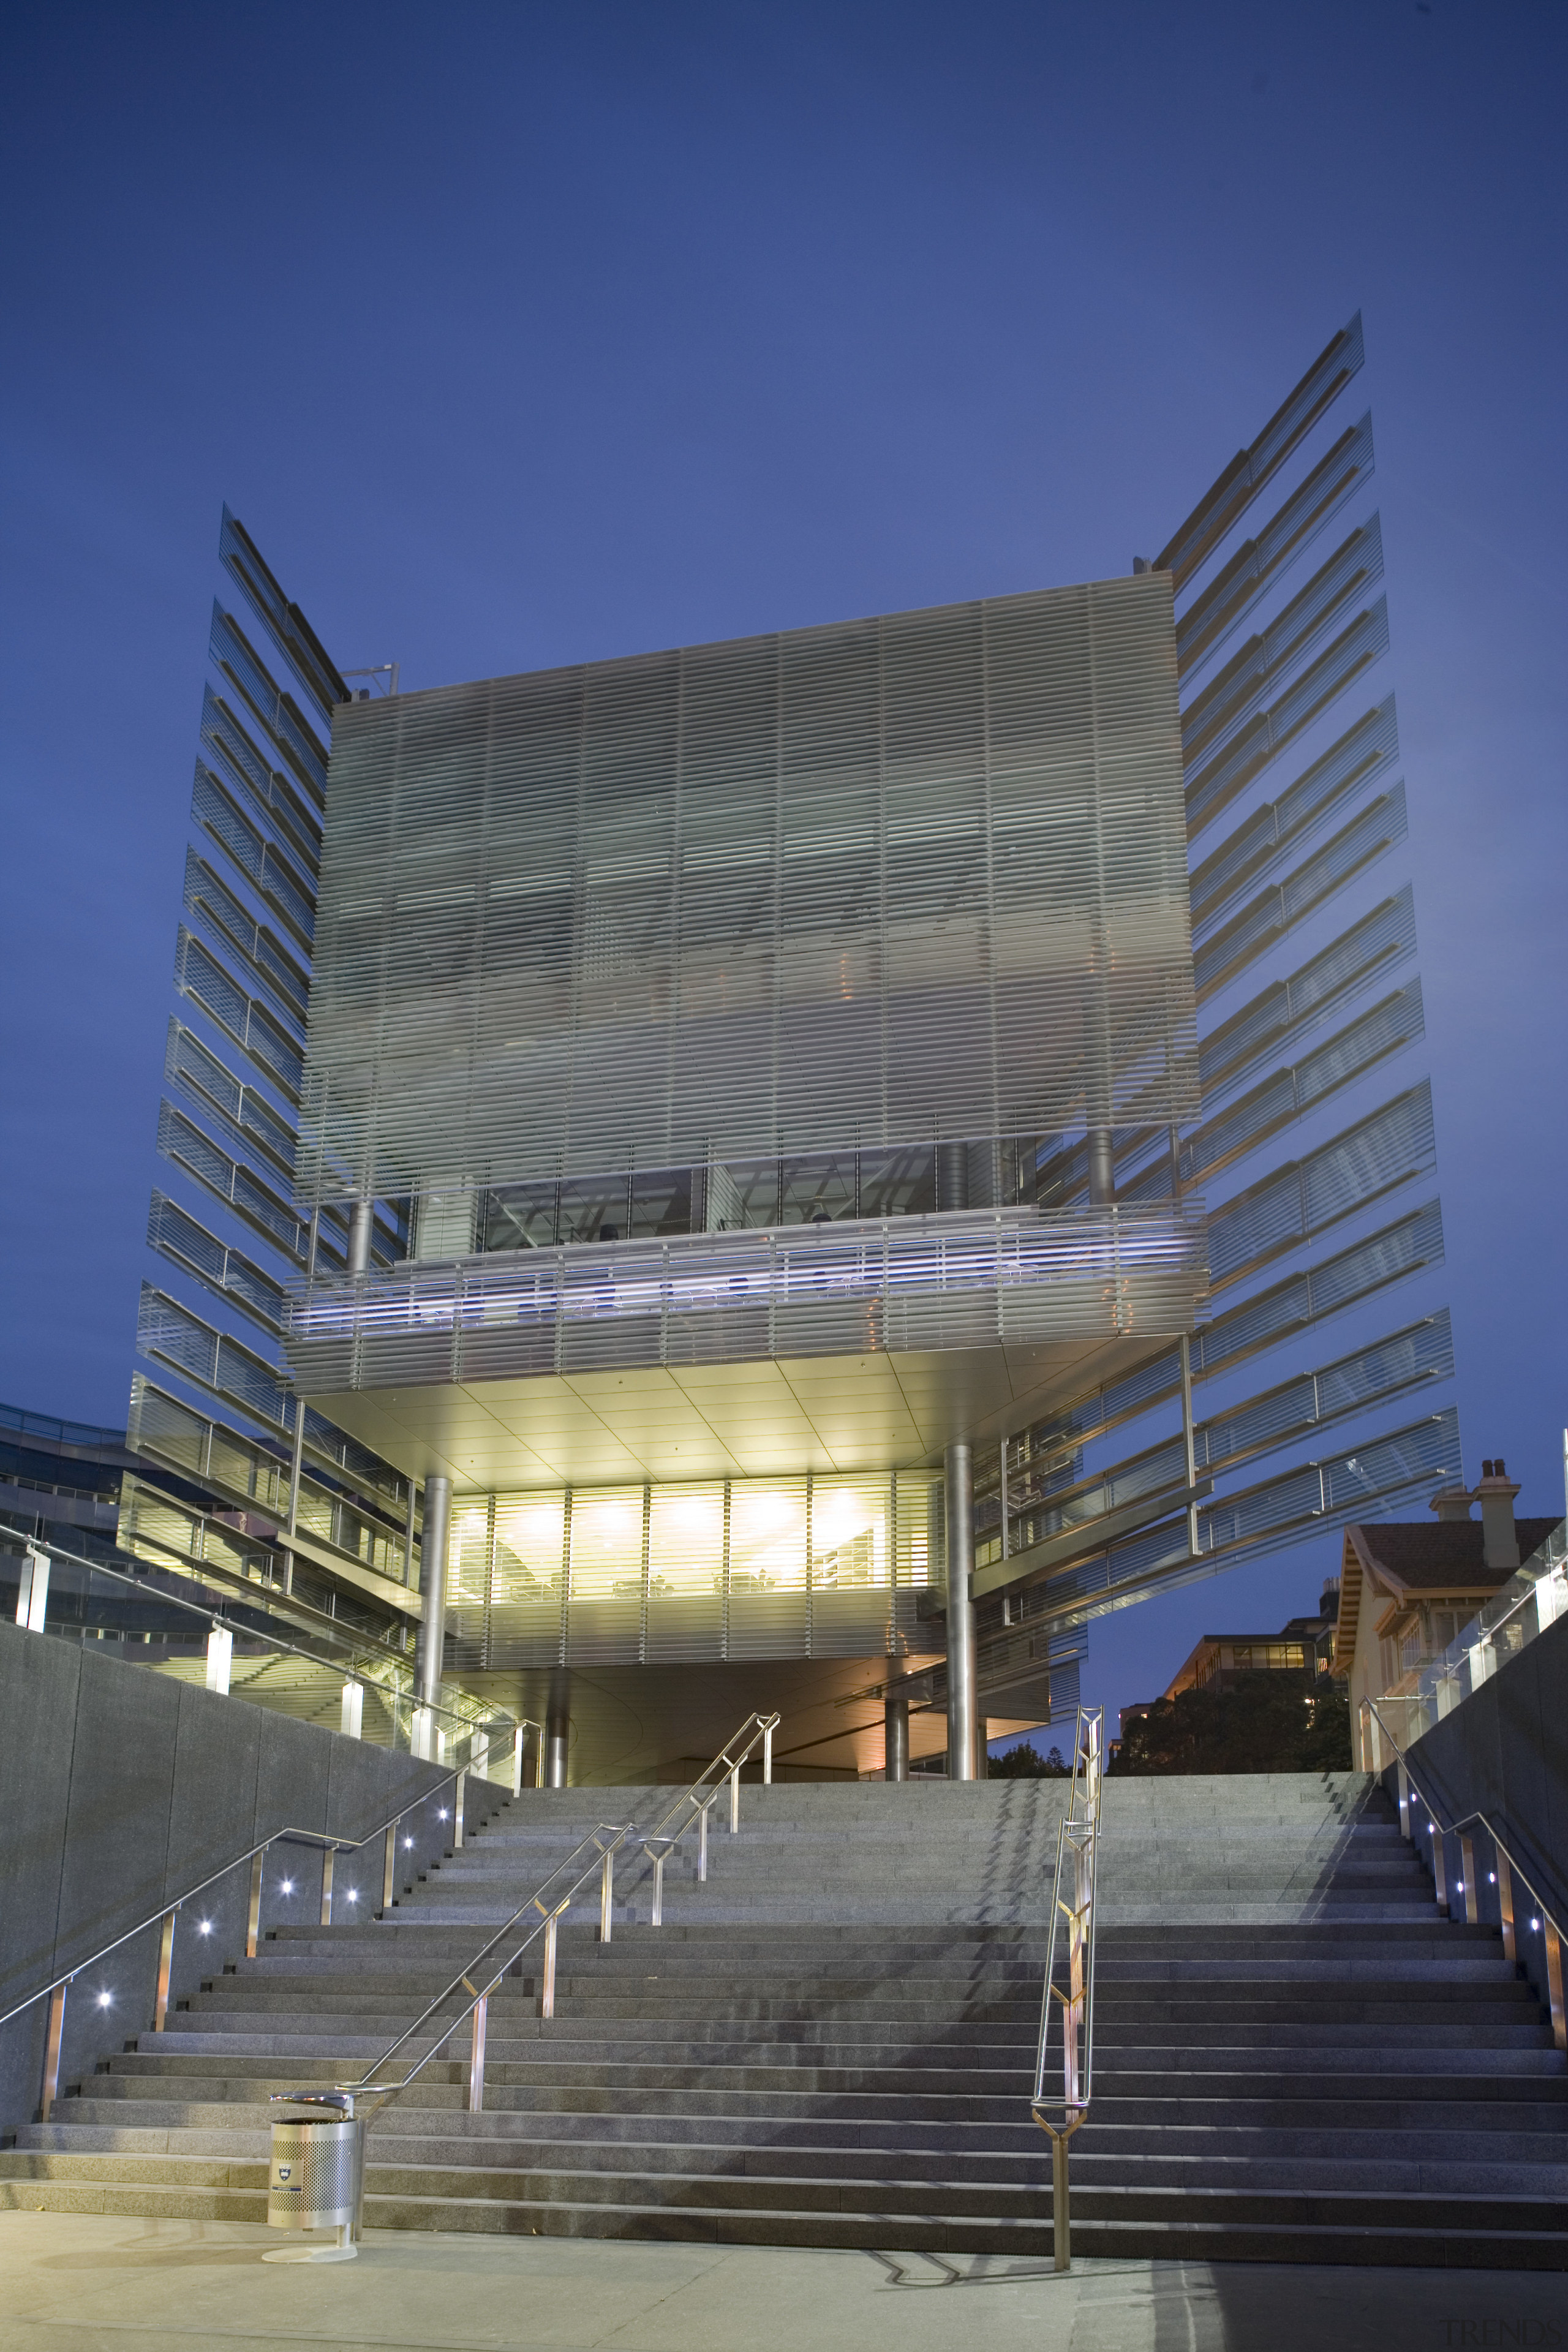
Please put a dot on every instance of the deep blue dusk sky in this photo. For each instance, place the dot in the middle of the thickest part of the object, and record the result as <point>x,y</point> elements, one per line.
<point>523,334</point>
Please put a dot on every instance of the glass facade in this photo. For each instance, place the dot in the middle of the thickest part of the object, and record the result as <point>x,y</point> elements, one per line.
<point>757,1568</point>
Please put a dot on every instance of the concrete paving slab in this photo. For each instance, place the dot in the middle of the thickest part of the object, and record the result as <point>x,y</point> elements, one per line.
<point>84,2283</point>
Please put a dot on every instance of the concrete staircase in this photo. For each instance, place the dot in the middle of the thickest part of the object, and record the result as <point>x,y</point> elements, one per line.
<point>831,2042</point>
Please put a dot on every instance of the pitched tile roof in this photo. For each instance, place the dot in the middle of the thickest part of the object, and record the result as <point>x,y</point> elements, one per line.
<point>1444,1555</point>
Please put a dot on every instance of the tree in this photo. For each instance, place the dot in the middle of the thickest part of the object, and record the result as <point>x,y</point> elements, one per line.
<point>1261,1723</point>
<point>1025,1763</point>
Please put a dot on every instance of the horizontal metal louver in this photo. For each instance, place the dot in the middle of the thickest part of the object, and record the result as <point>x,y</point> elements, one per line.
<point>1395,1472</point>
<point>228,742</point>
<point>276,709</point>
<point>261,862</point>
<point>170,1334</point>
<point>1212,718</point>
<point>1371,947</point>
<point>1222,507</point>
<point>243,1111</point>
<point>1302,1197</point>
<point>214,906</point>
<point>1212,617</point>
<point>851,886</point>
<point>180,1140</point>
<point>1402,1248</point>
<point>199,975</point>
<point>1213,786</point>
<point>175,1235</point>
<point>977,1280</point>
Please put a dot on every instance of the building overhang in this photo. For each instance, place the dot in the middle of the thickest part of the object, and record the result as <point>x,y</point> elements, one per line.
<point>731,1421</point>
<point>842,1346</point>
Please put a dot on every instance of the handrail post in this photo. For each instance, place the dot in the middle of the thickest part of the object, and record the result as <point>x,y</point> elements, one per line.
<point>768,1756</point>
<point>328,1858</point>
<point>166,1961</point>
<point>734,1799</point>
<point>1505,1904</point>
<point>459,1789</point>
<point>52,2052</point>
<point>547,1990</point>
<point>1061,2219</point>
<point>1404,1801</point>
<point>1467,1865</point>
<point>703,1845</point>
<point>253,1912</point>
<point>1555,1979</point>
<point>389,1865</point>
<point>476,2057</point>
<point>1440,1860</point>
<point>658,1919</point>
<point>1079,1832</point>
<point>607,1892</point>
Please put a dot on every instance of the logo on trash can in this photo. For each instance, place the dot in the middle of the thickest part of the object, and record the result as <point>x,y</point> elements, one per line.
<point>284,2170</point>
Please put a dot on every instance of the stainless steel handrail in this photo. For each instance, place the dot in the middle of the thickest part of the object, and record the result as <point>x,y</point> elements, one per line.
<point>1508,1869</point>
<point>551,1911</point>
<point>1079,1837</point>
<point>330,1846</point>
<point>342,2096</point>
<point>758,1727</point>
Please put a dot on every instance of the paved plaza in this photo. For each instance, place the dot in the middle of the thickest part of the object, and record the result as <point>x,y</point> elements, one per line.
<point>87,2283</point>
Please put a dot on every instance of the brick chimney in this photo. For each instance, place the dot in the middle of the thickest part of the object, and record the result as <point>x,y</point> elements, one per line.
<point>1495,1494</point>
<point>1452,1502</point>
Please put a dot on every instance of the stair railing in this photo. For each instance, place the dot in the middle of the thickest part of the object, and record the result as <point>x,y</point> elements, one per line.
<point>1072,1901</point>
<point>164,1917</point>
<point>1508,1870</point>
<point>551,1902</point>
<point>694,1805</point>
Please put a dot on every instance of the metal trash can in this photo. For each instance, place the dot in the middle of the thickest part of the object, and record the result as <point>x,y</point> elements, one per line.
<point>316,2180</point>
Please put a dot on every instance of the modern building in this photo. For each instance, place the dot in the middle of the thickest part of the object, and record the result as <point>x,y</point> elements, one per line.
<point>1303,1645</point>
<point>1303,1648</point>
<point>796,1173</point>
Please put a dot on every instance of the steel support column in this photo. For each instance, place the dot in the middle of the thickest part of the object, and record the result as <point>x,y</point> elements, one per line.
<point>361,1224</point>
<point>895,1739</point>
<point>558,1729</point>
<point>433,1588</point>
<point>958,1463</point>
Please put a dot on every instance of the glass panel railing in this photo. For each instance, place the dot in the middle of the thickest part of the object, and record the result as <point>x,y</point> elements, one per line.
<point>1534,1597</point>
<point>251,1646</point>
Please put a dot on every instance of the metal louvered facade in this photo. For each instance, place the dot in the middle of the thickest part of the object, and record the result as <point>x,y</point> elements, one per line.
<point>1320,1374</point>
<point>846,889</point>
<point>213,1413</point>
<point>751,1069</point>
